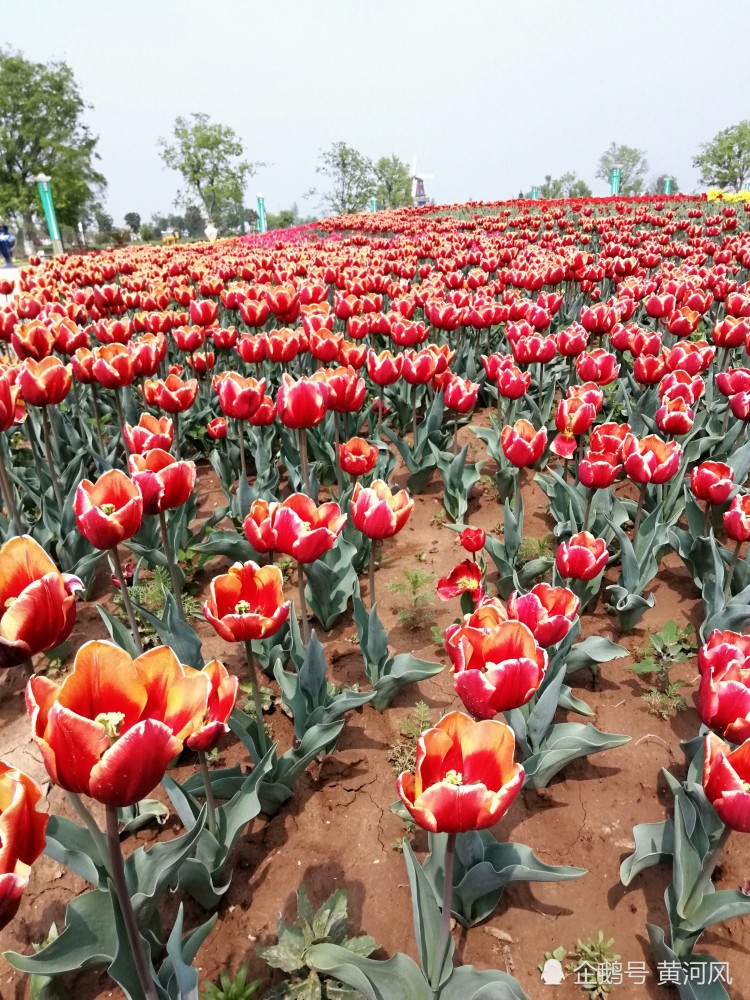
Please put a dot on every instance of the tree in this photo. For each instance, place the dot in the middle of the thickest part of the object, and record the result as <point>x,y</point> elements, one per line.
<point>133,221</point>
<point>104,221</point>
<point>657,187</point>
<point>42,131</point>
<point>392,182</point>
<point>351,178</point>
<point>285,219</point>
<point>725,161</point>
<point>632,163</point>
<point>208,156</point>
<point>194,221</point>
<point>567,186</point>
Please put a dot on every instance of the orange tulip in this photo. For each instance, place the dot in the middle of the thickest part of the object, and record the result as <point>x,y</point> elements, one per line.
<point>108,511</point>
<point>164,482</point>
<point>37,601</point>
<point>377,512</point>
<point>150,432</point>
<point>465,777</point>
<point>171,394</point>
<point>22,838</point>
<point>221,700</point>
<point>126,719</point>
<point>46,382</point>
<point>247,602</point>
<point>357,456</point>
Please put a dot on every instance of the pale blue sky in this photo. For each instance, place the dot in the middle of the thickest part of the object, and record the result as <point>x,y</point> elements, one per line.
<point>489,95</point>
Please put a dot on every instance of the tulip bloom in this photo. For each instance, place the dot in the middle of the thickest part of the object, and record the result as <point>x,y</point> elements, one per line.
<point>724,693</point>
<point>377,512</point>
<point>126,718</point>
<point>460,394</point>
<point>675,417</point>
<point>164,482</point>
<point>265,415</point>
<point>108,511</point>
<point>44,383</point>
<point>522,444</point>
<point>418,367</point>
<point>598,470</point>
<point>583,557</point>
<point>737,519</point>
<point>384,368</point>
<point>217,428</point>
<point>32,340</point>
<point>712,482</point>
<point>473,539</point>
<point>597,366</point>
<point>222,697</point>
<point>12,408</point>
<point>465,777</point>
<point>650,460</point>
<point>609,438</point>
<point>247,602</point>
<point>549,612</point>
<point>22,836</point>
<point>302,529</point>
<point>726,782</point>
<point>204,312</point>
<point>465,578</point>
<point>301,403</point>
<point>572,418</point>
<point>150,432</point>
<point>346,390</point>
<point>497,669</point>
<point>111,366</point>
<point>239,397</point>
<point>37,601</point>
<point>357,457</point>
<point>171,394</point>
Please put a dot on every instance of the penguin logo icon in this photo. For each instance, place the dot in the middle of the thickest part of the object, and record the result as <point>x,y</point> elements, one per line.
<point>552,973</point>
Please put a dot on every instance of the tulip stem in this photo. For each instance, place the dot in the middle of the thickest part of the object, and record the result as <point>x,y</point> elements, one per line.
<point>337,446</point>
<point>121,424</point>
<point>50,459</point>
<point>706,516</point>
<point>257,702</point>
<point>730,569</point>
<point>639,511</point>
<point>414,415</point>
<point>97,419</point>
<point>174,572</point>
<point>117,567</point>
<point>303,460</point>
<point>371,571</point>
<point>243,458</point>
<point>380,412</point>
<point>177,448</point>
<point>9,496</point>
<point>455,436</point>
<point>210,801</point>
<point>303,604</point>
<point>91,825</point>
<point>117,872</point>
<point>445,921</point>
<point>589,500</point>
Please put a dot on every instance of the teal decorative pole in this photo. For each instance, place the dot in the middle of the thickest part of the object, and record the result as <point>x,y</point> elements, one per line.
<point>373,205</point>
<point>536,194</point>
<point>615,177</point>
<point>45,194</point>
<point>262,222</point>
<point>668,185</point>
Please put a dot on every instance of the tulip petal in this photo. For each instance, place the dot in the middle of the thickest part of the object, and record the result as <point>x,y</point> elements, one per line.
<point>135,764</point>
<point>104,680</point>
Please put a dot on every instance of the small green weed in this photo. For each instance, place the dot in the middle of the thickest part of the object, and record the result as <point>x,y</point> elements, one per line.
<point>419,587</point>
<point>403,753</point>
<point>671,645</point>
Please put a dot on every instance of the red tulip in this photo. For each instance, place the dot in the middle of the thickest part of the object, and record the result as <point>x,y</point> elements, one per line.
<point>217,428</point>
<point>247,602</point>
<point>222,697</point>
<point>204,312</point>
<point>252,348</point>
<point>549,612</point>
<point>472,539</point>
<point>37,602</point>
<point>598,470</point>
<point>44,383</point>
<point>460,394</point>
<point>164,482</point>
<point>712,482</point>
<point>730,332</point>
<point>384,368</point>
<point>465,778</point>
<point>572,341</point>
<point>522,444</point>
<point>675,417</point>
<point>582,557</point>
<point>265,414</point>
<point>418,367</point>
<point>126,718</point>
<point>609,438</point>
<point>150,432</point>
<point>22,836</point>
<point>737,519</point>
<point>111,366</point>
<point>377,512</point>
<point>465,578</point>
<point>239,397</point>
<point>733,380</point>
<point>148,353</point>
<point>302,529</point>
<point>346,390</point>
<point>189,338</point>
<point>650,460</point>
<point>597,366</point>
<point>496,669</point>
<point>108,511</point>
<point>32,340</point>
<point>726,782</point>
<point>302,403</point>
<point>11,404</point>
<point>114,331</point>
<point>171,394</point>
<point>357,457</point>
<point>724,693</point>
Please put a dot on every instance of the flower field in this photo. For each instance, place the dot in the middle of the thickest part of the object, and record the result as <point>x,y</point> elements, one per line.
<point>403,556</point>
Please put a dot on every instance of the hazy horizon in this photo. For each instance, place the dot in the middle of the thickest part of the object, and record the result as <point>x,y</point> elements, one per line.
<point>490,98</point>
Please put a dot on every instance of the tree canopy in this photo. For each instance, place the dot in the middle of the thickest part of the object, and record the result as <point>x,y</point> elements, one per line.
<point>351,177</point>
<point>42,130</point>
<point>392,182</point>
<point>208,155</point>
<point>725,161</point>
<point>569,185</point>
<point>632,163</point>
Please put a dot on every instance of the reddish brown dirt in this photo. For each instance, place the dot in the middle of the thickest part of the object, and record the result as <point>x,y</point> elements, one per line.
<point>338,832</point>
